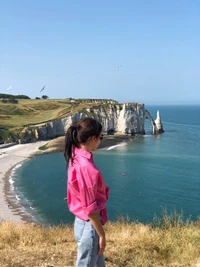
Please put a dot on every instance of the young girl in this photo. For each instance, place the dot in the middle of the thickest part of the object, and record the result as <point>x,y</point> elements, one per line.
<point>86,191</point>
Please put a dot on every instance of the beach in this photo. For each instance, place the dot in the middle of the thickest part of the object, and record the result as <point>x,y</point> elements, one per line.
<point>57,144</point>
<point>10,158</point>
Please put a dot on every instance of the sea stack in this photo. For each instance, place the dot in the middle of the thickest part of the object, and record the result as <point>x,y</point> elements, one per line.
<point>159,127</point>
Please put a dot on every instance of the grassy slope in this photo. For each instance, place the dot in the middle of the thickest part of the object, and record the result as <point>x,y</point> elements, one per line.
<point>31,111</point>
<point>128,244</point>
<point>14,117</point>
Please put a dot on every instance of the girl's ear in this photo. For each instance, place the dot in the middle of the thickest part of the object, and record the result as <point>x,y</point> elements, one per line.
<point>93,138</point>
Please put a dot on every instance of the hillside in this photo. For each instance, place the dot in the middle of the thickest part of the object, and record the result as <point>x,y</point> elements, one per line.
<point>15,118</point>
<point>169,243</point>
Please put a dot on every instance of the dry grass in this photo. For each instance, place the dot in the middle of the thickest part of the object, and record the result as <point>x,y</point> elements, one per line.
<point>128,244</point>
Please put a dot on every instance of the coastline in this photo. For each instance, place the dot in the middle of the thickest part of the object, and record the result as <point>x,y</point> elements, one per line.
<point>11,157</point>
<point>57,144</point>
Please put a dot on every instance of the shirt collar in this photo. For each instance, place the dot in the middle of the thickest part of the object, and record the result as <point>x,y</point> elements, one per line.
<point>82,152</point>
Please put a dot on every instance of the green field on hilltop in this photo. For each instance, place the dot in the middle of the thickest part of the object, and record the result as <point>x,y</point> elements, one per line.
<point>31,112</point>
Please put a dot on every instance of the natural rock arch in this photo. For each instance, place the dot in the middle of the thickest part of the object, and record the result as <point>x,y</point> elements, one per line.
<point>148,116</point>
<point>111,132</point>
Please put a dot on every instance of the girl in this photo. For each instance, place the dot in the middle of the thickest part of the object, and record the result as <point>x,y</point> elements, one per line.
<point>86,191</point>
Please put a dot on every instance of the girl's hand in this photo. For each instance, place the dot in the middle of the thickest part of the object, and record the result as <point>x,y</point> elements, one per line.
<point>102,244</point>
<point>95,220</point>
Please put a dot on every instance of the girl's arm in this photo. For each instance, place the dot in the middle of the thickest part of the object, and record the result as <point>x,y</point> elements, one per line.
<point>95,220</point>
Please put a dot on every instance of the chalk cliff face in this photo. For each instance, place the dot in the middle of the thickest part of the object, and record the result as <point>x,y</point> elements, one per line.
<point>127,118</point>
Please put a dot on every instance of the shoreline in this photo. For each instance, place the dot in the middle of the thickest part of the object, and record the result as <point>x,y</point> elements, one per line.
<point>9,159</point>
<point>12,156</point>
<point>11,200</point>
<point>57,144</point>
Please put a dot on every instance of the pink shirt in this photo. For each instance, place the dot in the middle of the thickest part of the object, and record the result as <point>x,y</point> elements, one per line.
<point>86,191</point>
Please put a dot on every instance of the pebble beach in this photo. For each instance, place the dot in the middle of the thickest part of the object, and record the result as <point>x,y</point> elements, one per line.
<point>10,158</point>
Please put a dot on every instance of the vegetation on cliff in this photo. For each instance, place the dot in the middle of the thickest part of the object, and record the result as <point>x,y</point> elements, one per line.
<point>169,242</point>
<point>17,119</point>
<point>9,96</point>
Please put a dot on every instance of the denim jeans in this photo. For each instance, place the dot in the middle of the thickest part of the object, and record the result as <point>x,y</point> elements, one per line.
<point>88,245</point>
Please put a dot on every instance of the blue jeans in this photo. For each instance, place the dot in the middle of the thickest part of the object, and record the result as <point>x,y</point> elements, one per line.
<point>88,245</point>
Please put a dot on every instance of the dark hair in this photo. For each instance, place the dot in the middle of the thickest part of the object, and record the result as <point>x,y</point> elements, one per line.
<point>79,133</point>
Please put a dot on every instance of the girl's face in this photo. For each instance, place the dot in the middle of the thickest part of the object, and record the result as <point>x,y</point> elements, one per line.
<point>95,141</point>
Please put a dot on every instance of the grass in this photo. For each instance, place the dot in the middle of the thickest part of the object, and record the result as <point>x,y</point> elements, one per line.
<point>128,244</point>
<point>44,147</point>
<point>14,117</point>
<point>33,112</point>
<point>30,113</point>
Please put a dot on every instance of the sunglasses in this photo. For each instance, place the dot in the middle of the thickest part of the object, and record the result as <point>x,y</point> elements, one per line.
<point>101,137</point>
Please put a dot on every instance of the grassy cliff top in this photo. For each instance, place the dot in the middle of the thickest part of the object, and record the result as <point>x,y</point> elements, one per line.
<point>36,111</point>
<point>14,118</point>
<point>170,244</point>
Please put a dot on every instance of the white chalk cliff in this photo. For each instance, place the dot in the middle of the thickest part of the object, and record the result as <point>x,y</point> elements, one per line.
<point>127,118</point>
<point>158,123</point>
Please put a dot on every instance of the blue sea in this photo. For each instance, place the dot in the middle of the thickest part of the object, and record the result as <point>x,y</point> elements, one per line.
<point>146,175</point>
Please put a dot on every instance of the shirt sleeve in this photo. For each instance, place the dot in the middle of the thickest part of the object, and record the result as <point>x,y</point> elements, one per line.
<point>107,192</point>
<point>88,183</point>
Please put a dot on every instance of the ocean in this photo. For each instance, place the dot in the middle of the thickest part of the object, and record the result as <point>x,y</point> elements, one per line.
<point>147,175</point>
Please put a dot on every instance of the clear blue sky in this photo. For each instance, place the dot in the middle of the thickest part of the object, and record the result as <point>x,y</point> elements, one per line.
<point>74,47</point>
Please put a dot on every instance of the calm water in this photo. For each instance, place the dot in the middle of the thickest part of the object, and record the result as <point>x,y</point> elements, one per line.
<point>161,171</point>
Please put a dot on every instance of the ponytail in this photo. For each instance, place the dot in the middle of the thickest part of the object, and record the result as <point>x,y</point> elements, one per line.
<point>79,133</point>
<point>70,140</point>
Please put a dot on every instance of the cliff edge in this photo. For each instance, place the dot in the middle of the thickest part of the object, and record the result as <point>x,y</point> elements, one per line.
<point>126,118</point>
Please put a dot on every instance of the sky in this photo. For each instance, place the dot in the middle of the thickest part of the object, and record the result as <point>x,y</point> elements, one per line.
<point>146,51</point>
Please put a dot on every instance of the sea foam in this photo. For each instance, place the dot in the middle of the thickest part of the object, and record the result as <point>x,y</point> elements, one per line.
<point>121,144</point>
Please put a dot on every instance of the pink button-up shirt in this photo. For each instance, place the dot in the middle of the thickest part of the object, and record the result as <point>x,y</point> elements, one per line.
<point>86,191</point>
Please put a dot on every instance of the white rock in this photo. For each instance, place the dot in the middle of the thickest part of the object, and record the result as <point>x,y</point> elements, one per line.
<point>127,118</point>
<point>159,123</point>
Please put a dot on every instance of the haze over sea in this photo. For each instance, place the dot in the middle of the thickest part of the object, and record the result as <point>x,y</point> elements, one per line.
<point>161,171</point>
